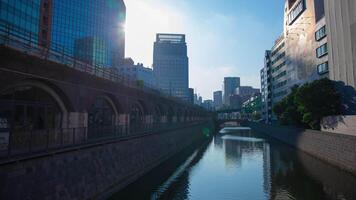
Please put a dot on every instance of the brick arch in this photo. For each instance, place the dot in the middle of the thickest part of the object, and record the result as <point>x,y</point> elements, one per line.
<point>143,106</point>
<point>58,96</point>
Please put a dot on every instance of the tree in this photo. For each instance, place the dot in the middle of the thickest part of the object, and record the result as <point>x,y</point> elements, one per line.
<point>287,110</point>
<point>308,104</point>
<point>317,100</point>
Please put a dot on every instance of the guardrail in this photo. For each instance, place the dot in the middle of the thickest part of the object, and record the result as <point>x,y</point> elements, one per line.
<point>27,42</point>
<point>22,143</point>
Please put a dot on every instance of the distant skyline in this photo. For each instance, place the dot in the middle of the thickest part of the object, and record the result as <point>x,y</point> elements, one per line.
<point>224,38</point>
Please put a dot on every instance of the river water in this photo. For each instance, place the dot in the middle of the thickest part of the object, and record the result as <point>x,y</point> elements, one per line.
<point>242,165</point>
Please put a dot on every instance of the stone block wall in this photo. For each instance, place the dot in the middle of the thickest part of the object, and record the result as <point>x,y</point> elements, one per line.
<point>92,171</point>
<point>336,149</point>
<point>340,124</point>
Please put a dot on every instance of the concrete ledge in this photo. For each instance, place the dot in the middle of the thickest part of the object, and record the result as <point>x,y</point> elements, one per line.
<point>336,149</point>
<point>340,124</point>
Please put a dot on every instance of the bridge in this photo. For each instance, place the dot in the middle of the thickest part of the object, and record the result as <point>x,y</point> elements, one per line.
<point>49,100</point>
<point>228,117</point>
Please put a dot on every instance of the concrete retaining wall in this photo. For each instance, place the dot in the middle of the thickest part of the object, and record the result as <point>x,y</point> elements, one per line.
<point>88,173</point>
<point>340,124</point>
<point>336,149</point>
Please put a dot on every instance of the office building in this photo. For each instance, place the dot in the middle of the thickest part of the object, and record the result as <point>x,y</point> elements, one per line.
<point>90,31</point>
<point>191,95</point>
<point>251,108</point>
<point>208,105</point>
<point>340,20</point>
<point>137,72</point>
<point>230,86</point>
<point>170,65</point>
<point>21,16</point>
<point>280,87</point>
<point>266,88</point>
<point>319,41</point>
<point>247,91</point>
<point>218,99</point>
<point>305,42</point>
<point>235,101</point>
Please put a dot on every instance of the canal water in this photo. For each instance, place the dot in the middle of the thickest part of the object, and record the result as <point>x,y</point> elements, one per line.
<point>242,165</point>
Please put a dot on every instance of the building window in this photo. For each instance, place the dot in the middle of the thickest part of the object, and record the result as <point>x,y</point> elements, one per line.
<point>277,49</point>
<point>278,67</point>
<point>296,12</point>
<point>320,34</point>
<point>319,9</point>
<point>280,56</point>
<point>323,68</point>
<point>322,50</point>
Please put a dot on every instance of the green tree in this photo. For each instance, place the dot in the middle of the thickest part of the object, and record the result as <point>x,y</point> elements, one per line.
<point>308,104</point>
<point>317,100</point>
<point>287,111</point>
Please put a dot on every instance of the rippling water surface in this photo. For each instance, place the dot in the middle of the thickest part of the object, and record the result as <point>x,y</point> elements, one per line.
<point>239,165</point>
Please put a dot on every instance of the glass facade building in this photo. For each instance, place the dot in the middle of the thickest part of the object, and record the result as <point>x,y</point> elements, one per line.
<point>170,64</point>
<point>89,30</point>
<point>22,16</point>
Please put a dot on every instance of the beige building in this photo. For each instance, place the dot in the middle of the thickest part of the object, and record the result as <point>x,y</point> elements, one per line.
<point>340,18</point>
<point>320,40</point>
<point>306,51</point>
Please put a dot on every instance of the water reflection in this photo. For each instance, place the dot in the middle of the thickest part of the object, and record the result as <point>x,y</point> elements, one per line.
<point>239,164</point>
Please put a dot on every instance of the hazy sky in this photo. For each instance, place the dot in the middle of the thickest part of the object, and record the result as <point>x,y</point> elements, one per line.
<point>224,37</point>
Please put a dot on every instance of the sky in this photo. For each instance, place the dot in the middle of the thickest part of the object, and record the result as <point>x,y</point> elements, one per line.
<point>224,37</point>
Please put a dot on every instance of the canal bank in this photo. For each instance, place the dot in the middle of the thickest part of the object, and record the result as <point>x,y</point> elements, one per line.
<point>236,165</point>
<point>336,149</point>
<point>95,171</point>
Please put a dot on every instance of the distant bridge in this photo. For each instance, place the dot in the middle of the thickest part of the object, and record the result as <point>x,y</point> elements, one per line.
<point>228,117</point>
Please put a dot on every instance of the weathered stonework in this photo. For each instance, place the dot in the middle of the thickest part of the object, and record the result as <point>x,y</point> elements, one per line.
<point>91,172</point>
<point>336,149</point>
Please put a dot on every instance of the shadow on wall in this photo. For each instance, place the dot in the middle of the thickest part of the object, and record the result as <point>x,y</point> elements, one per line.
<point>303,173</point>
<point>348,99</point>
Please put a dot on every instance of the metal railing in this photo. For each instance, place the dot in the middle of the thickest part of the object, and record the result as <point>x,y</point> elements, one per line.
<point>27,42</point>
<point>22,143</point>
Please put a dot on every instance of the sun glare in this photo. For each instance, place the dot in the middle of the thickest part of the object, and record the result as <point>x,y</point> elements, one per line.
<point>145,19</point>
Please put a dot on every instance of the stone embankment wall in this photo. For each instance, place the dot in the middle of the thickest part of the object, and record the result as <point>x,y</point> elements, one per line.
<point>93,171</point>
<point>340,124</point>
<point>336,149</point>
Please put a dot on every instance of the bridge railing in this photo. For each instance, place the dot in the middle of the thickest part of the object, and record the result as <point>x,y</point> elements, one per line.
<point>29,43</point>
<point>22,143</point>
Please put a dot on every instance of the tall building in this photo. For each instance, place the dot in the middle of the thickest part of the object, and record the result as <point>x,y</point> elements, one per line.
<point>306,46</point>
<point>230,86</point>
<point>90,31</point>
<point>191,95</point>
<point>218,99</point>
<point>21,16</point>
<point>340,17</point>
<point>208,105</point>
<point>266,88</point>
<point>280,87</point>
<point>319,41</point>
<point>170,65</point>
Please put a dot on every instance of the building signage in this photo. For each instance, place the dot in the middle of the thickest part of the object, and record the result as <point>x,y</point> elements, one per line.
<point>296,11</point>
<point>4,133</point>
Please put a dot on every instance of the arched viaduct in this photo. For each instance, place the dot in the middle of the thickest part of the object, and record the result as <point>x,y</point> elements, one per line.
<point>38,95</point>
